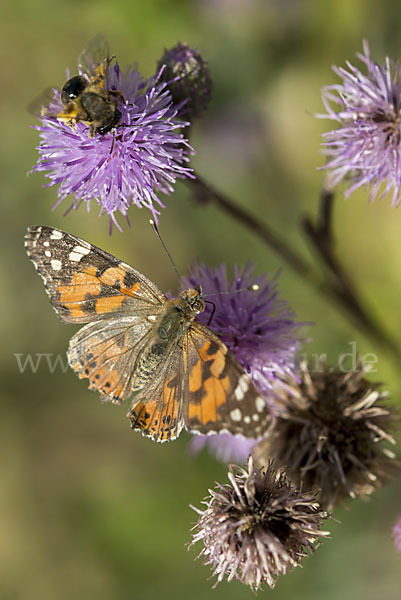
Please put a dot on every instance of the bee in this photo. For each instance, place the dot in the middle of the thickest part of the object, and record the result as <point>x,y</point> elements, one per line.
<point>86,97</point>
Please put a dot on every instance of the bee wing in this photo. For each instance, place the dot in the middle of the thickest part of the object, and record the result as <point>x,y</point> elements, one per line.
<point>42,105</point>
<point>94,55</point>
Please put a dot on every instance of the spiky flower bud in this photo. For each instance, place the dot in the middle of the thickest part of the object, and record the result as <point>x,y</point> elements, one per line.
<point>188,79</point>
<point>257,526</point>
<point>329,432</point>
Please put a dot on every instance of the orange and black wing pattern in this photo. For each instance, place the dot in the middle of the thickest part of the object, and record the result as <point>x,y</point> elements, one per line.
<point>219,395</point>
<point>86,283</point>
<point>157,410</point>
<point>105,352</point>
<point>202,387</point>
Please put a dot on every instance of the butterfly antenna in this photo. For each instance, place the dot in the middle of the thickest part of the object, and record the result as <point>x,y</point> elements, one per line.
<point>155,229</point>
<point>213,311</point>
<point>251,288</point>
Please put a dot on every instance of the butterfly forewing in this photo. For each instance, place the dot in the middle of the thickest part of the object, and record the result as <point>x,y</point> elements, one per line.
<point>86,283</point>
<point>220,395</point>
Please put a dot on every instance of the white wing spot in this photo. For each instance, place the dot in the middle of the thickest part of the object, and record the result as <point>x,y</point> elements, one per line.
<point>247,419</point>
<point>48,253</point>
<point>260,404</point>
<point>82,249</point>
<point>244,382</point>
<point>56,235</point>
<point>255,417</point>
<point>236,414</point>
<point>56,264</point>
<point>46,244</point>
<point>238,393</point>
<point>78,252</point>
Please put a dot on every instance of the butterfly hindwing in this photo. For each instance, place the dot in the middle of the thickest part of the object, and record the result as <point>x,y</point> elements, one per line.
<point>84,282</point>
<point>157,410</point>
<point>105,352</point>
<point>160,417</point>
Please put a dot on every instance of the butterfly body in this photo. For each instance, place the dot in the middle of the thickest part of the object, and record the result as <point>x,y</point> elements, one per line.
<point>137,340</point>
<point>169,328</point>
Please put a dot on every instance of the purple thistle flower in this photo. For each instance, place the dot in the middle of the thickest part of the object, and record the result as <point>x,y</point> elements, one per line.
<point>142,157</point>
<point>256,325</point>
<point>224,446</point>
<point>257,526</point>
<point>366,145</point>
<point>397,535</point>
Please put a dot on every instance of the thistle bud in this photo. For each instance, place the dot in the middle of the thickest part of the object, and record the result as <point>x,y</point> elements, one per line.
<point>188,80</point>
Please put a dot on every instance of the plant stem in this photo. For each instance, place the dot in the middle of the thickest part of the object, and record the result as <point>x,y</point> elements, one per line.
<point>335,284</point>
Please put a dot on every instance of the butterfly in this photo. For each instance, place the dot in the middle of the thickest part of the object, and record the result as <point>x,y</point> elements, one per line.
<point>137,340</point>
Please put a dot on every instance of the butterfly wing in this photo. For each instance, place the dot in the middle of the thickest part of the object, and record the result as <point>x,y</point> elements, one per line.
<point>86,283</point>
<point>157,410</point>
<point>201,386</point>
<point>219,395</point>
<point>105,352</point>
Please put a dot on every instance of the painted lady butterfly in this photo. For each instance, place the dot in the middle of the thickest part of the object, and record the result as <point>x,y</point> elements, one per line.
<point>137,340</point>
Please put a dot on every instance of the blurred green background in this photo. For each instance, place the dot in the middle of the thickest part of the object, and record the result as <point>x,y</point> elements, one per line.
<point>89,509</point>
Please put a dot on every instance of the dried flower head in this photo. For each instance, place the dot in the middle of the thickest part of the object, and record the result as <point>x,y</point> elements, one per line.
<point>257,526</point>
<point>188,79</point>
<point>329,431</point>
<point>367,143</point>
<point>259,329</point>
<point>132,164</point>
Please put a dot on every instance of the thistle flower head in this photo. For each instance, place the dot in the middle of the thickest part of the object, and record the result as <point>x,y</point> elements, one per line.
<point>259,329</point>
<point>188,79</point>
<point>329,432</point>
<point>142,157</point>
<point>257,526</point>
<point>366,146</point>
<point>257,326</point>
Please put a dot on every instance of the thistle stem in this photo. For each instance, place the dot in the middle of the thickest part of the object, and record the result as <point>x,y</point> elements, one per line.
<point>333,283</point>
